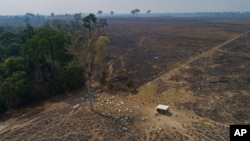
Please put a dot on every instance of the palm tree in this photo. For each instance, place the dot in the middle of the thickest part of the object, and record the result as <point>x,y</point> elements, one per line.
<point>135,11</point>
<point>99,12</point>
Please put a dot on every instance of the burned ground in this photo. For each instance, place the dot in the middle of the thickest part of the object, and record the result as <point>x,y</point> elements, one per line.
<point>197,66</point>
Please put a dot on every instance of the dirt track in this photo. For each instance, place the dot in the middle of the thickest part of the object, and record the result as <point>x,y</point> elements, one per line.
<point>207,53</point>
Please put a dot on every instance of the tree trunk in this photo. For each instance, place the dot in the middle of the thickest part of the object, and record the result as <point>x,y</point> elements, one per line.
<point>52,59</point>
<point>90,96</point>
<point>89,87</point>
<point>103,76</point>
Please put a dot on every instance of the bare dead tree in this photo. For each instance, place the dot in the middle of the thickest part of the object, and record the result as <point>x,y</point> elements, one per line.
<point>87,47</point>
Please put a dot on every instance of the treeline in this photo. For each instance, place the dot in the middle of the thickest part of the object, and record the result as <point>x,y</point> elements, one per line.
<point>34,17</point>
<point>240,15</point>
<point>36,63</point>
<point>37,20</point>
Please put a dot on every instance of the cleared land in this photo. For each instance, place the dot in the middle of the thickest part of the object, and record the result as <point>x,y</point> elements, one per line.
<point>200,67</point>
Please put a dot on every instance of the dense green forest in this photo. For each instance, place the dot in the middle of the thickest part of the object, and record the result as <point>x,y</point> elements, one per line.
<point>39,62</point>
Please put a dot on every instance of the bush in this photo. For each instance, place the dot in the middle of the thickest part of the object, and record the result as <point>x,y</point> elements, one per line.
<point>130,83</point>
<point>110,86</point>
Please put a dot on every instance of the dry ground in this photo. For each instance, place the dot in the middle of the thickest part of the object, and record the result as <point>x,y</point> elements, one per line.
<point>197,66</point>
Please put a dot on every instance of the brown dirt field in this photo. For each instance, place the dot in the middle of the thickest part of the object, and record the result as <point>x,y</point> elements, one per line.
<point>197,66</point>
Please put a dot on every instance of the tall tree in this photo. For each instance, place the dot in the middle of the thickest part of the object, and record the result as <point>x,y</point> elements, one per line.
<point>132,12</point>
<point>12,82</point>
<point>27,33</point>
<point>12,90</point>
<point>10,44</point>
<point>112,12</point>
<point>47,42</point>
<point>100,12</point>
<point>84,48</point>
<point>77,18</point>
<point>102,23</point>
<point>52,14</point>
<point>46,53</point>
<point>149,11</point>
<point>137,11</point>
<point>89,22</point>
<point>28,16</point>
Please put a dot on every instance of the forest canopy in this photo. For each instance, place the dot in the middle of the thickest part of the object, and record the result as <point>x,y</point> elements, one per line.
<point>36,63</point>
